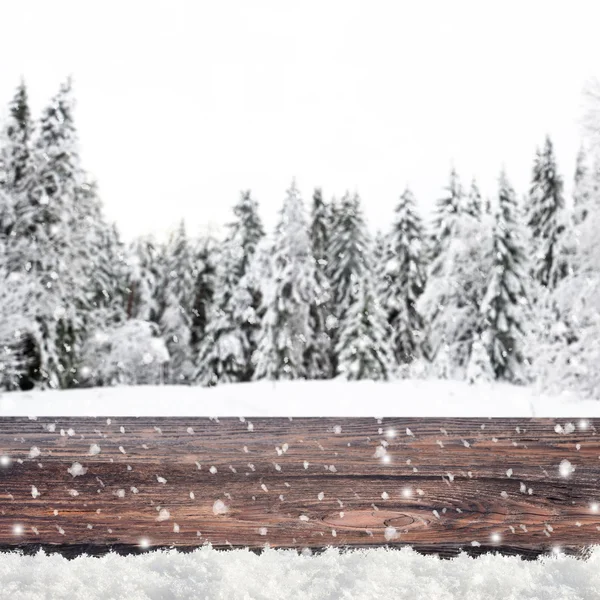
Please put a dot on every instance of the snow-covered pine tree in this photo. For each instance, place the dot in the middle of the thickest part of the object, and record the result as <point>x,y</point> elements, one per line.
<point>144,278</point>
<point>448,210</point>
<point>405,281</point>
<point>347,262</point>
<point>473,203</point>
<point>563,345</point>
<point>110,275</point>
<point>333,216</point>
<point>545,216</point>
<point>226,350</point>
<point>206,257</point>
<point>334,213</point>
<point>285,331</point>
<point>319,347</point>
<point>44,241</point>
<point>248,234</point>
<point>320,228</point>
<point>16,162</point>
<point>506,298</point>
<point>18,325</point>
<point>98,248</point>
<point>582,188</point>
<point>350,258</point>
<point>364,350</point>
<point>175,320</point>
<point>450,304</point>
<point>380,251</point>
<point>19,328</point>
<point>362,343</point>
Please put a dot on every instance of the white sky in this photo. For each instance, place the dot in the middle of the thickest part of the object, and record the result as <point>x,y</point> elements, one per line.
<point>181,104</point>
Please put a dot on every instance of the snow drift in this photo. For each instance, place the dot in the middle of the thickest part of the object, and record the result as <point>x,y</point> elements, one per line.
<point>278,574</point>
<point>406,398</point>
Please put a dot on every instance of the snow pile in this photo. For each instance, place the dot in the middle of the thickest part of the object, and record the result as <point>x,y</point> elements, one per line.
<point>276,574</point>
<point>406,398</point>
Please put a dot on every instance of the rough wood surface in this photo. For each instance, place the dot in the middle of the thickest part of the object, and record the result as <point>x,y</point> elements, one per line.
<point>446,484</point>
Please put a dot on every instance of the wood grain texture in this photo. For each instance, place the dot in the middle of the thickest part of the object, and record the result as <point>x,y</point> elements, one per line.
<point>302,482</point>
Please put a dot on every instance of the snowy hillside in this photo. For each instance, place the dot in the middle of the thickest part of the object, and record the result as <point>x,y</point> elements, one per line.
<point>418,398</point>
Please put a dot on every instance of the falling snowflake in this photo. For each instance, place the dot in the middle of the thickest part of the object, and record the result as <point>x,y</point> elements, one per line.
<point>94,450</point>
<point>565,468</point>
<point>76,470</point>
<point>219,507</point>
<point>163,515</point>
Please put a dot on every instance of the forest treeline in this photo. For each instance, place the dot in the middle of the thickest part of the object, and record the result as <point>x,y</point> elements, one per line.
<point>501,288</point>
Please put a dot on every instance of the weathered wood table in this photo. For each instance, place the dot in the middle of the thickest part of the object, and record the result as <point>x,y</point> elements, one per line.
<point>440,485</point>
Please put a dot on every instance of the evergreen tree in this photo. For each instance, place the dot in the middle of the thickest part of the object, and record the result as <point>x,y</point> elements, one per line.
<point>405,281</point>
<point>564,342</point>
<point>450,304</point>
<point>320,229</point>
<point>350,254</point>
<point>101,252</point>
<point>319,347</point>
<point>96,246</point>
<point>545,216</point>
<point>46,241</point>
<point>473,202</point>
<point>285,331</point>
<point>16,163</point>
<point>506,297</point>
<point>247,235</point>
<point>363,348</point>
<point>176,317</point>
<point>206,257</point>
<point>448,210</point>
<point>333,217</point>
<point>380,252</point>
<point>362,342</point>
<point>347,261</point>
<point>110,275</point>
<point>226,351</point>
<point>582,188</point>
<point>143,291</point>
<point>333,220</point>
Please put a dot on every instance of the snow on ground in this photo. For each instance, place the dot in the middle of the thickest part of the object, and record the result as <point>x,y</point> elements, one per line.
<point>405,398</point>
<point>277,575</point>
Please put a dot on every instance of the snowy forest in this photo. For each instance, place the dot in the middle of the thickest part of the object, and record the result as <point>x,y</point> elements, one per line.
<point>504,288</point>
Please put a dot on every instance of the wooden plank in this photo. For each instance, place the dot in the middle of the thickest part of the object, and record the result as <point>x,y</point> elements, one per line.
<point>296,483</point>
